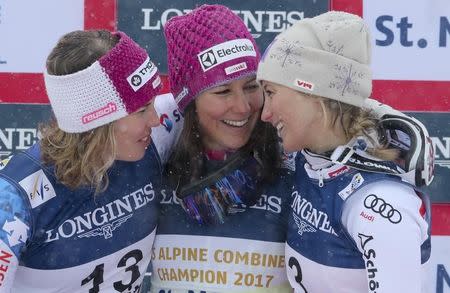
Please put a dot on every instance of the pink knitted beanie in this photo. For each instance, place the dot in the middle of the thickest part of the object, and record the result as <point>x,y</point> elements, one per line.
<point>207,47</point>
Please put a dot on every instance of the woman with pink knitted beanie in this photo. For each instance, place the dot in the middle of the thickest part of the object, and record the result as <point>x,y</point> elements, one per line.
<point>222,224</point>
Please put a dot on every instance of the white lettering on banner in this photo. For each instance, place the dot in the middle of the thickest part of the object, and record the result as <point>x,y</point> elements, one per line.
<point>16,139</point>
<point>257,21</point>
<point>438,266</point>
<point>44,32</point>
<point>103,220</point>
<point>442,151</point>
<point>409,36</point>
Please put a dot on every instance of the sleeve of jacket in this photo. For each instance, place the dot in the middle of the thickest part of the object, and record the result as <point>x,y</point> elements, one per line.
<point>386,222</point>
<point>15,230</point>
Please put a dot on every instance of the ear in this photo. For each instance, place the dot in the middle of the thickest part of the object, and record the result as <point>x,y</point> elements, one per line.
<point>323,112</point>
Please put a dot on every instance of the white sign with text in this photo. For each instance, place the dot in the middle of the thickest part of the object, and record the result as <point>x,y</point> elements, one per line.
<point>411,39</point>
<point>30,29</point>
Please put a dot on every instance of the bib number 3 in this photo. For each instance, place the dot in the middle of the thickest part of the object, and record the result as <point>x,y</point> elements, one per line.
<point>293,262</point>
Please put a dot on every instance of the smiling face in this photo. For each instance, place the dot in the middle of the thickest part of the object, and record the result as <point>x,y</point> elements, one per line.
<point>296,116</point>
<point>132,133</point>
<point>227,114</point>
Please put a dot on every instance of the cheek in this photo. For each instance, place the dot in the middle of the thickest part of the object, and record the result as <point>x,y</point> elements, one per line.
<point>256,101</point>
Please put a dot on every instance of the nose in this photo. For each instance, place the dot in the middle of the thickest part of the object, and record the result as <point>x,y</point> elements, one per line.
<point>152,116</point>
<point>266,114</point>
<point>241,102</point>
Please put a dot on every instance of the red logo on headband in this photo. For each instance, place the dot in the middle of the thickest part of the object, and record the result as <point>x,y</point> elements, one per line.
<point>108,109</point>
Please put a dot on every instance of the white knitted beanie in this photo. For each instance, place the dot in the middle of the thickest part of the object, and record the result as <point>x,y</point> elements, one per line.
<point>327,56</point>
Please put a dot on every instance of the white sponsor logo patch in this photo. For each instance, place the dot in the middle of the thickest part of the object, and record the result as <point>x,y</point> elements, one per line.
<point>142,74</point>
<point>227,51</point>
<point>182,94</point>
<point>304,84</point>
<point>16,230</point>
<point>38,188</point>
<point>356,182</point>
<point>156,82</point>
<point>236,68</point>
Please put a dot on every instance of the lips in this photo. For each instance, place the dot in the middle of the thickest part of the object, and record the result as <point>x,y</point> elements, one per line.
<point>145,139</point>
<point>279,126</point>
<point>236,123</point>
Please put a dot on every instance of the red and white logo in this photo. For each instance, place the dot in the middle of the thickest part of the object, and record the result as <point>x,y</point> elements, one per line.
<point>108,109</point>
<point>304,84</point>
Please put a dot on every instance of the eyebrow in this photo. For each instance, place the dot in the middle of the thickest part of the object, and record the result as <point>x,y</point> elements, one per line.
<point>251,80</point>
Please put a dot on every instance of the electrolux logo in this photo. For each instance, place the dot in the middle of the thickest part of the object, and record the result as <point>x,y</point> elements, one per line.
<point>208,59</point>
<point>224,52</point>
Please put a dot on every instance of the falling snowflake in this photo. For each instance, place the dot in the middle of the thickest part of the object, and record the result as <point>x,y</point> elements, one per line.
<point>347,80</point>
<point>287,53</point>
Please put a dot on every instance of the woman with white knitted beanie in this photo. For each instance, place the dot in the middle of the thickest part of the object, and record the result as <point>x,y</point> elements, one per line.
<point>355,224</point>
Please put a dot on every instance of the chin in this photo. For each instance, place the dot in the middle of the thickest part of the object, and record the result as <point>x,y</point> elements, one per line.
<point>131,157</point>
<point>290,148</point>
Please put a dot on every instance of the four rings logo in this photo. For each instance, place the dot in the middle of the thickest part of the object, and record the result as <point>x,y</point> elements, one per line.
<point>379,206</point>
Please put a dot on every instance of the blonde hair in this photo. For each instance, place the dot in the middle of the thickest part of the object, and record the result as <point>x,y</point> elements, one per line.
<point>355,121</point>
<point>79,159</point>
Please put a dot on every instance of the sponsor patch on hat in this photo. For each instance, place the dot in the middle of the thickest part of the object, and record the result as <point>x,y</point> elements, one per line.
<point>184,92</point>
<point>236,68</point>
<point>142,74</point>
<point>304,84</point>
<point>224,52</point>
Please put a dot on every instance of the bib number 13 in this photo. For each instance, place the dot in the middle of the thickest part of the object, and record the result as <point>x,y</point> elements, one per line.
<point>97,274</point>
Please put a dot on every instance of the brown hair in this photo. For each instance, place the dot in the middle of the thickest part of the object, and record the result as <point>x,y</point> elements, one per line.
<point>79,159</point>
<point>187,163</point>
<point>355,121</point>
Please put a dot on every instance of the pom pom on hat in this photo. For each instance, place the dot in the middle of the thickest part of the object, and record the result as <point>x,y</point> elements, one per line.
<point>327,55</point>
<point>207,47</point>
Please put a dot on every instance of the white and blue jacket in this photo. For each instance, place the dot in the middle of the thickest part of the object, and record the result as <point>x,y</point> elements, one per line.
<point>354,231</point>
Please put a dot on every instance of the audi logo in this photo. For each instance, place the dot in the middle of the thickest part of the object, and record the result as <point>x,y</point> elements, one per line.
<point>379,206</point>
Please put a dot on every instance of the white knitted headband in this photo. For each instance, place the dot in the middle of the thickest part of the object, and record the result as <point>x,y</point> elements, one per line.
<point>119,83</point>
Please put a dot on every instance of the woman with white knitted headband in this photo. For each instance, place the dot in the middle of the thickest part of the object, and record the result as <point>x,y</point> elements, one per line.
<point>354,224</point>
<point>78,209</point>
